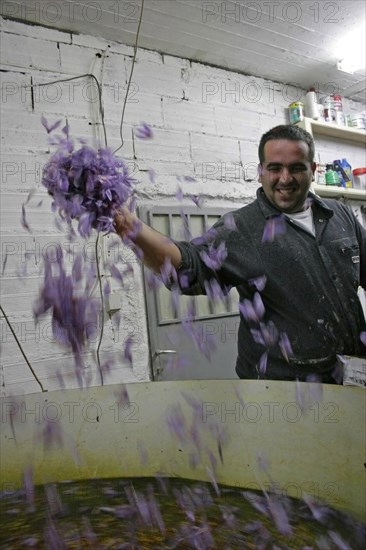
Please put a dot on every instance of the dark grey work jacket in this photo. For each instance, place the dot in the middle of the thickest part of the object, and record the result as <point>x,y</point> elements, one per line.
<point>311,285</point>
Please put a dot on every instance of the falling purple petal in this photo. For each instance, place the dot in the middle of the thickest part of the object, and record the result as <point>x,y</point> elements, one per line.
<point>363,337</point>
<point>198,201</point>
<point>280,517</point>
<point>275,227</point>
<point>106,288</point>
<point>338,541</point>
<point>116,274</point>
<point>285,346</point>
<point>143,131</point>
<point>215,256</point>
<point>24,221</point>
<point>258,282</point>
<point>252,310</point>
<point>263,363</point>
<point>30,195</point>
<point>152,175</point>
<point>179,195</point>
<point>50,128</point>
<point>128,350</point>
<point>229,221</point>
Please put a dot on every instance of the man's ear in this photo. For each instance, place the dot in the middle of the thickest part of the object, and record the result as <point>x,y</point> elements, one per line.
<point>259,172</point>
<point>313,169</point>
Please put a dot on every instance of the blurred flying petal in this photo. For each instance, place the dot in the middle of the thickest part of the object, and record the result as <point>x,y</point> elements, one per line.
<point>229,221</point>
<point>29,488</point>
<point>363,337</point>
<point>77,269</point>
<point>215,256</point>
<point>60,380</point>
<point>263,362</point>
<point>279,516</point>
<point>122,396</point>
<point>116,274</point>
<point>214,291</point>
<point>257,336</point>
<point>193,402</point>
<point>24,222</point>
<point>206,238</point>
<point>239,396</point>
<point>252,310</point>
<point>143,454</point>
<point>5,262</point>
<point>262,461</point>
<point>186,230</point>
<point>211,475</point>
<point>176,421</point>
<point>337,372</point>
<point>269,333</point>
<point>179,195</point>
<point>49,128</point>
<point>152,175</point>
<point>316,387</point>
<point>128,350</point>
<point>338,541</point>
<point>275,227</point>
<point>197,199</point>
<point>285,346</point>
<point>30,195</point>
<point>107,288</point>
<point>143,131</point>
<point>319,510</point>
<point>153,280</point>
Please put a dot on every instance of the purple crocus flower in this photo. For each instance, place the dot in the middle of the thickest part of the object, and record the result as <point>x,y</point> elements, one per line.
<point>86,184</point>
<point>275,227</point>
<point>143,131</point>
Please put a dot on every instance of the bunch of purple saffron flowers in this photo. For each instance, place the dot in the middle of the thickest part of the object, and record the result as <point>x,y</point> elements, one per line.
<point>86,184</point>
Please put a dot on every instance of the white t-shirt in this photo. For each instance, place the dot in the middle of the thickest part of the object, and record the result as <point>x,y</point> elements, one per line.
<point>305,219</point>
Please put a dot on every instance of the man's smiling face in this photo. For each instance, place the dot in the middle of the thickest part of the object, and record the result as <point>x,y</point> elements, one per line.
<point>286,174</point>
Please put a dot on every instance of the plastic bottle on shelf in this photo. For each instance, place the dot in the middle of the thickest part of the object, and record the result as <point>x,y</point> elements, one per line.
<point>331,176</point>
<point>311,104</point>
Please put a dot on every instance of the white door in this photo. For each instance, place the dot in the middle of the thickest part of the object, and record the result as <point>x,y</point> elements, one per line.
<point>182,348</point>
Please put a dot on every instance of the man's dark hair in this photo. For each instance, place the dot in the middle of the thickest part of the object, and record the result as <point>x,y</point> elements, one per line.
<point>287,131</point>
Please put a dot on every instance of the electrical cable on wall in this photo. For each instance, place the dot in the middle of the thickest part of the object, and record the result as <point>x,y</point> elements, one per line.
<point>102,123</point>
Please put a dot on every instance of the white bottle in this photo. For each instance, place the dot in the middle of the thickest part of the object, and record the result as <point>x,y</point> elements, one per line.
<point>311,104</point>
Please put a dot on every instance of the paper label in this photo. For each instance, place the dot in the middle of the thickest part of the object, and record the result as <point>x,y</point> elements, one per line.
<point>354,373</point>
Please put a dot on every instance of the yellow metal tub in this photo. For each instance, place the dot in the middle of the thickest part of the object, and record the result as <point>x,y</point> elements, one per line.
<point>317,448</point>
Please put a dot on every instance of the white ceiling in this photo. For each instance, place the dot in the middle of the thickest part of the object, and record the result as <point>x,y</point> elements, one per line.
<point>288,42</point>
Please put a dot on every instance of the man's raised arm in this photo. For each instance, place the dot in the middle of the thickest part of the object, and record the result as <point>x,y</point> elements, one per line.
<point>157,248</point>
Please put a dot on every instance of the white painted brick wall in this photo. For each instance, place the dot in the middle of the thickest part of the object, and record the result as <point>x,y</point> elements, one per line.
<point>206,122</point>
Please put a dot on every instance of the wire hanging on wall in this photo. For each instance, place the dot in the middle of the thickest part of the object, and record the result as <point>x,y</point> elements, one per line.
<point>101,112</point>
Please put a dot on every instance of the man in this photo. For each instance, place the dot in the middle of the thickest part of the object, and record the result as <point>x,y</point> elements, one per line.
<point>297,262</point>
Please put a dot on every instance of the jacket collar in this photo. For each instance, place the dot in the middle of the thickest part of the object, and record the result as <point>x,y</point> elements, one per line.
<point>269,210</point>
